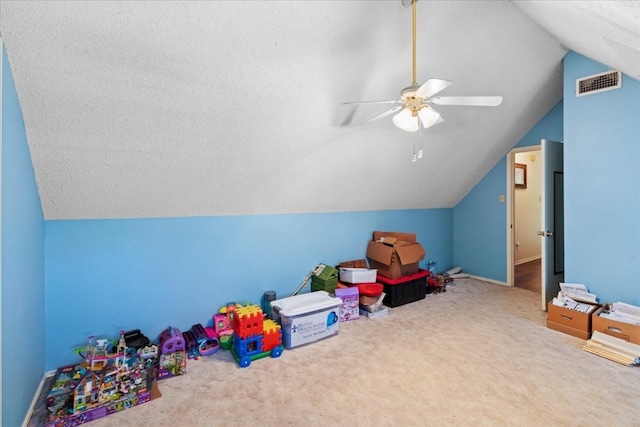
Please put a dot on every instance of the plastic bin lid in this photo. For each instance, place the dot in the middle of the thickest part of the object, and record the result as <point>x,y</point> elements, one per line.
<point>370,289</point>
<point>305,303</point>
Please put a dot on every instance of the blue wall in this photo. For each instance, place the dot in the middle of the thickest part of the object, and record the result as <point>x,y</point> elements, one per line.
<point>22,264</point>
<point>104,276</point>
<point>479,220</point>
<point>602,185</point>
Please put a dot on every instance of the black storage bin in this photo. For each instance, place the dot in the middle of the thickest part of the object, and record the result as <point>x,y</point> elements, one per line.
<point>405,289</point>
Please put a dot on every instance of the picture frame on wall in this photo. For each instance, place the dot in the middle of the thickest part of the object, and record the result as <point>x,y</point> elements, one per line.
<point>520,175</point>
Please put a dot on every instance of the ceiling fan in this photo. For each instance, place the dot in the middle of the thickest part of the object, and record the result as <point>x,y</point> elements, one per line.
<point>414,105</point>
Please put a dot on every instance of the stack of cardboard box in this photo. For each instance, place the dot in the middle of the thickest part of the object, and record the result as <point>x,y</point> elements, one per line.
<point>396,256</point>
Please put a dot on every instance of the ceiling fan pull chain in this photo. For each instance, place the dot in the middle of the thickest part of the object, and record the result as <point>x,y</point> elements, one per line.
<point>414,158</point>
<point>419,142</point>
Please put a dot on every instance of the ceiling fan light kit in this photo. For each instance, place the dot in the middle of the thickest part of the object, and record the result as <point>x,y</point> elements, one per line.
<point>416,100</point>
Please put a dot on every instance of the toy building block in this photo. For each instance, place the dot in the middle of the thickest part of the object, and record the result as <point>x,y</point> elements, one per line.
<point>272,335</point>
<point>83,393</point>
<point>255,343</point>
<point>248,321</point>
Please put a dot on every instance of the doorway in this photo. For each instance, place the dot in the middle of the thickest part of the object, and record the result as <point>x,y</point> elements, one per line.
<point>527,205</point>
<point>550,211</point>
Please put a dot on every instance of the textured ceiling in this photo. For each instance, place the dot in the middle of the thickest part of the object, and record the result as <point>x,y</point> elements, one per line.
<point>171,108</point>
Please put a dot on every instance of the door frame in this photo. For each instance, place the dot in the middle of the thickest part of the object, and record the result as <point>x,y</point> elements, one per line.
<point>510,200</point>
<point>1,85</point>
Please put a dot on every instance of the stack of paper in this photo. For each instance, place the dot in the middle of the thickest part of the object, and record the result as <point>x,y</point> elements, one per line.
<point>574,296</point>
<point>622,312</point>
<point>577,292</point>
<point>613,348</point>
<point>570,304</point>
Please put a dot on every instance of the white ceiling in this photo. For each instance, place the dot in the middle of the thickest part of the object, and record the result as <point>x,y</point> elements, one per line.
<point>175,108</point>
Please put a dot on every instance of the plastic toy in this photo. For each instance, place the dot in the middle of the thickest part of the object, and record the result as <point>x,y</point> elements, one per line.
<point>223,325</point>
<point>207,340</point>
<point>136,339</point>
<point>99,354</point>
<point>104,383</point>
<point>191,344</point>
<point>254,337</point>
<point>173,354</point>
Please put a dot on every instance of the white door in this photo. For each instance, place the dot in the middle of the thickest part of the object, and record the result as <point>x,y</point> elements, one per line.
<point>552,224</point>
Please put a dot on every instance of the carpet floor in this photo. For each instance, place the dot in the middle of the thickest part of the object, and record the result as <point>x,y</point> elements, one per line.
<point>478,354</point>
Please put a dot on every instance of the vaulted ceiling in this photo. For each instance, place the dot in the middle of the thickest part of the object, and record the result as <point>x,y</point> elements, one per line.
<point>175,108</point>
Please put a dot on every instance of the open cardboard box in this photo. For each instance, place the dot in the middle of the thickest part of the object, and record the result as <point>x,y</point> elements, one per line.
<point>393,254</point>
<point>623,330</point>
<point>570,322</point>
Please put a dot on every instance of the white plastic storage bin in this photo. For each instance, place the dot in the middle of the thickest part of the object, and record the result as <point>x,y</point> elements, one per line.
<point>358,275</point>
<point>307,318</point>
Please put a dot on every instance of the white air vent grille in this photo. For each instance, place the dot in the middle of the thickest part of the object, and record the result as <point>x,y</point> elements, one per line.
<point>598,83</point>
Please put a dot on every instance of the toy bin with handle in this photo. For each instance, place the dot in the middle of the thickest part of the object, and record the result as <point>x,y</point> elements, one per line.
<point>307,318</point>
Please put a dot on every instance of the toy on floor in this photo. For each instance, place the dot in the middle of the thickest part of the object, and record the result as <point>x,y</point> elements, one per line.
<point>206,338</point>
<point>173,353</point>
<point>190,344</point>
<point>111,378</point>
<point>223,325</point>
<point>437,282</point>
<point>136,339</point>
<point>254,337</point>
<point>104,351</point>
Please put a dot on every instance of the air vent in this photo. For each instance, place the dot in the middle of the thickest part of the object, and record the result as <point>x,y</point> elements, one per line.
<point>598,83</point>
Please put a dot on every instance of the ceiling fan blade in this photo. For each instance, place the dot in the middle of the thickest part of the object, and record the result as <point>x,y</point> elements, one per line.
<point>381,115</point>
<point>397,101</point>
<point>431,87</point>
<point>474,101</point>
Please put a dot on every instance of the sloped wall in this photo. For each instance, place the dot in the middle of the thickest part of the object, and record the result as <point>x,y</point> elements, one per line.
<point>22,264</point>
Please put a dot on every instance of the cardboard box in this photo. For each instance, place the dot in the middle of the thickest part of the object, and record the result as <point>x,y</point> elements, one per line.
<point>570,322</point>
<point>307,318</point>
<point>392,236</point>
<point>350,303</point>
<point>61,395</point>
<point>625,331</point>
<point>356,263</point>
<point>394,254</point>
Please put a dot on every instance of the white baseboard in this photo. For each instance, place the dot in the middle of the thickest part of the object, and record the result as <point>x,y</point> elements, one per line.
<point>484,279</point>
<point>525,260</point>
<point>34,402</point>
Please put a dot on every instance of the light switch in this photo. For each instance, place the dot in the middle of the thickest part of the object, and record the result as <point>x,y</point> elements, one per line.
<point>502,198</point>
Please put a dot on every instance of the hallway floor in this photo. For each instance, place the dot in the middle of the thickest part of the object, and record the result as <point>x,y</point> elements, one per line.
<point>528,275</point>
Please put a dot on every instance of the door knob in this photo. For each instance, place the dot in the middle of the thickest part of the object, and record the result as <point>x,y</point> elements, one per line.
<point>549,233</point>
<point>540,233</point>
